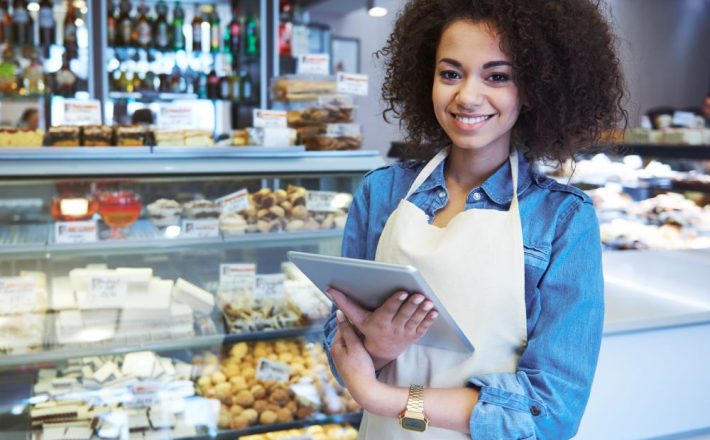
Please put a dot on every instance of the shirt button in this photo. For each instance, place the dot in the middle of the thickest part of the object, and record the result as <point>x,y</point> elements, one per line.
<point>476,196</point>
<point>535,410</point>
<point>442,194</point>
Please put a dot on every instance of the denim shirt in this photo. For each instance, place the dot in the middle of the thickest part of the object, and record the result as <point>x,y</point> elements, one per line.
<point>564,292</point>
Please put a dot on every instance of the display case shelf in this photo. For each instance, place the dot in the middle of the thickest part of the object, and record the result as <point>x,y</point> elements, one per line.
<point>351,418</point>
<point>666,151</point>
<point>143,237</point>
<point>30,163</point>
<point>51,355</point>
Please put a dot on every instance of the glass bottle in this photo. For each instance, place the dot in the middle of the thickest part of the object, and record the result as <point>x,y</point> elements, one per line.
<point>177,80</point>
<point>21,24</point>
<point>111,23</point>
<point>213,85</point>
<point>5,22</point>
<point>235,33</point>
<point>71,43</point>
<point>246,87</point>
<point>178,21</point>
<point>8,71</point>
<point>125,27</point>
<point>34,77</point>
<point>161,28</point>
<point>143,29</point>
<point>197,30</point>
<point>214,31</point>
<point>122,81</point>
<point>149,81</point>
<point>251,36</point>
<point>200,85</point>
<point>46,23</point>
<point>65,80</point>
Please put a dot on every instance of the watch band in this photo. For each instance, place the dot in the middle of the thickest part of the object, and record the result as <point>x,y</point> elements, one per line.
<point>415,402</point>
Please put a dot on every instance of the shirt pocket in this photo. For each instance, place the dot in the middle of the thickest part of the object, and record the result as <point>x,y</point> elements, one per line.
<point>537,256</point>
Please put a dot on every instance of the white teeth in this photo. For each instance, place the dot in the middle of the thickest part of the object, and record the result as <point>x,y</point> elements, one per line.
<point>475,120</point>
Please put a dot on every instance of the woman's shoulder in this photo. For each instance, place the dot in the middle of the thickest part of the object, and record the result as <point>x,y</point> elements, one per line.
<point>559,198</point>
<point>394,176</point>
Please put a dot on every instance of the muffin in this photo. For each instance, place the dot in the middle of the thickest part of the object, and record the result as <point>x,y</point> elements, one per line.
<point>164,212</point>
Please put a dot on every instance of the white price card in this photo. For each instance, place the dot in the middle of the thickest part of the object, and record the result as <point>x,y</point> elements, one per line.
<point>176,116</point>
<point>278,137</point>
<point>82,112</point>
<point>106,290</point>
<point>314,64</point>
<point>267,369</point>
<point>200,228</point>
<point>321,201</point>
<point>18,295</point>
<point>76,232</point>
<point>307,392</point>
<point>352,83</point>
<point>299,40</point>
<point>684,119</point>
<point>235,202</point>
<point>269,286</point>
<point>270,118</point>
<point>236,278</point>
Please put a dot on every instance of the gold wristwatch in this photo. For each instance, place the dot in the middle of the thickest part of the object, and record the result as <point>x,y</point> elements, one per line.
<point>413,418</point>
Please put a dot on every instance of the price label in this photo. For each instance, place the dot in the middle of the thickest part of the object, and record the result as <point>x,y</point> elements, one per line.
<point>82,112</point>
<point>271,370</point>
<point>106,290</point>
<point>269,286</point>
<point>18,295</point>
<point>270,118</point>
<point>278,137</point>
<point>76,232</point>
<point>321,201</point>
<point>307,393</point>
<point>352,83</point>
<point>314,64</point>
<point>176,116</point>
<point>338,130</point>
<point>299,40</point>
<point>235,202</point>
<point>200,228</point>
<point>237,278</point>
<point>684,119</point>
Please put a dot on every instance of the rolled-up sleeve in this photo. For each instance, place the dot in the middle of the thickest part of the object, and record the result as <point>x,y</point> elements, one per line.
<point>354,246</point>
<point>547,395</point>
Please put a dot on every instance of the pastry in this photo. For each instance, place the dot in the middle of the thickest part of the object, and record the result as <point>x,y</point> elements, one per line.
<point>130,136</point>
<point>11,137</point>
<point>66,136</point>
<point>232,224</point>
<point>201,209</point>
<point>164,212</point>
<point>97,136</point>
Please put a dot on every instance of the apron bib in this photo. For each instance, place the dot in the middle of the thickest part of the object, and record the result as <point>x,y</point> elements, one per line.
<point>476,267</point>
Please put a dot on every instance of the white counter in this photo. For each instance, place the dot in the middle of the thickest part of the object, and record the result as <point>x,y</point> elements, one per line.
<point>653,375</point>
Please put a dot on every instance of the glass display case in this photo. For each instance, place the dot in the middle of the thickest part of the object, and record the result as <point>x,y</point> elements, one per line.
<point>147,295</point>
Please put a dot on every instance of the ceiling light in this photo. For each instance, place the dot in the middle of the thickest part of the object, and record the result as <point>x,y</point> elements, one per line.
<point>374,10</point>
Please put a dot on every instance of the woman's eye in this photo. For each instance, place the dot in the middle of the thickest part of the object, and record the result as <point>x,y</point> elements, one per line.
<point>499,77</point>
<point>449,74</point>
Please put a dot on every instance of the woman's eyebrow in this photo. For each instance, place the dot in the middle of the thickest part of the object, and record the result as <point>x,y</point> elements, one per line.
<point>450,61</point>
<point>490,64</point>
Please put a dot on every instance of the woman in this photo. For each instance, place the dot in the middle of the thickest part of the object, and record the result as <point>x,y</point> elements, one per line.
<point>491,85</point>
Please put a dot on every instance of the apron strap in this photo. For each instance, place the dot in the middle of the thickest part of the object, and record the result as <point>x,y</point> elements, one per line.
<point>427,170</point>
<point>441,155</point>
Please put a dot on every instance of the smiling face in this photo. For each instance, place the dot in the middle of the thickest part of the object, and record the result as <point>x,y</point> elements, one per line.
<point>475,99</point>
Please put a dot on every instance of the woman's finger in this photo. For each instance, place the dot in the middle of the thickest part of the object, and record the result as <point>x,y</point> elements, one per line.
<point>407,310</point>
<point>418,316</point>
<point>392,305</point>
<point>350,338</point>
<point>423,327</point>
<point>352,310</point>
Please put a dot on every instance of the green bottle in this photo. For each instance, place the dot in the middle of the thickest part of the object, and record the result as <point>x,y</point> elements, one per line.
<point>178,21</point>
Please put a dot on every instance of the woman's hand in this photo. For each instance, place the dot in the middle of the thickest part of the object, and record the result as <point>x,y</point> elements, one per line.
<point>388,330</point>
<point>353,362</point>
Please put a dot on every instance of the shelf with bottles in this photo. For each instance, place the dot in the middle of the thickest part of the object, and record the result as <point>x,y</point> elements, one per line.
<point>44,48</point>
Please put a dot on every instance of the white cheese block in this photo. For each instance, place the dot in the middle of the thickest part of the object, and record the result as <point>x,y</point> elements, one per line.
<point>199,299</point>
<point>139,364</point>
<point>78,433</point>
<point>155,297</point>
<point>62,294</point>
<point>105,372</point>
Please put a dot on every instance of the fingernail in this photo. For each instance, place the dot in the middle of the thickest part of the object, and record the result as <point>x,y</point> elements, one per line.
<point>403,296</point>
<point>340,316</point>
<point>418,299</point>
<point>434,315</point>
<point>428,306</point>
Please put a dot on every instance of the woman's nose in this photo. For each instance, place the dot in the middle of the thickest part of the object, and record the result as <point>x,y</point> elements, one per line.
<point>471,94</point>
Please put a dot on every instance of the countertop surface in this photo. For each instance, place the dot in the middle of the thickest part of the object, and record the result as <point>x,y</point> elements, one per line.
<point>648,290</point>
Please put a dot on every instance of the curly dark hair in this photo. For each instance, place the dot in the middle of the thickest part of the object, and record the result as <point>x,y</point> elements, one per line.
<point>565,66</point>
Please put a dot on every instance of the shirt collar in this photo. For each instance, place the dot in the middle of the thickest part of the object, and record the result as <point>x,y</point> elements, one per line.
<point>498,187</point>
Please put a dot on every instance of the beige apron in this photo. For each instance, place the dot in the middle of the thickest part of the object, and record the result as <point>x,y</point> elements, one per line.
<point>476,267</point>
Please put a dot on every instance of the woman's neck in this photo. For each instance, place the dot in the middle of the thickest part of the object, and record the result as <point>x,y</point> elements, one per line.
<point>468,169</point>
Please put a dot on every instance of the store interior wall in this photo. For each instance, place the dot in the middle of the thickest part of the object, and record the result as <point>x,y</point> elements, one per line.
<point>663,44</point>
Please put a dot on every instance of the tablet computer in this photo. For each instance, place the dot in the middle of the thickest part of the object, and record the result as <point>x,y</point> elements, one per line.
<point>370,283</point>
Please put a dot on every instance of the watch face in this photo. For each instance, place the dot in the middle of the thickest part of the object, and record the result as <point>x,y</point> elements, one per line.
<point>413,424</point>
